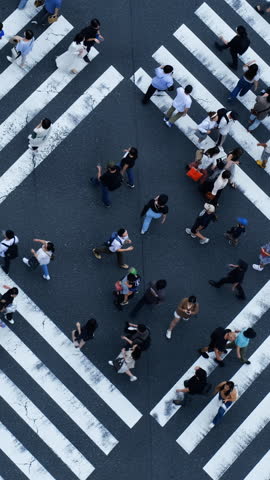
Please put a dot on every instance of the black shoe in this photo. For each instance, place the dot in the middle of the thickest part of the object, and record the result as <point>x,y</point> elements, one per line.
<point>220,363</point>
<point>232,66</point>
<point>4,270</point>
<point>203,354</point>
<point>247,362</point>
<point>177,402</point>
<point>218,46</point>
<point>86,59</point>
<point>213,283</point>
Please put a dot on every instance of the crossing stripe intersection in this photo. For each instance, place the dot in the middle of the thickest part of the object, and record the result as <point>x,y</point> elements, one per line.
<point>42,426</point>
<point>187,126</point>
<point>261,471</point>
<point>239,440</point>
<point>17,20</point>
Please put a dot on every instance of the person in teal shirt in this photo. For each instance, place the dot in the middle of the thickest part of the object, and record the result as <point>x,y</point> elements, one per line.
<point>241,343</point>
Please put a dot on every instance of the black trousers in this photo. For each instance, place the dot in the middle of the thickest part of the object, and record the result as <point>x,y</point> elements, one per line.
<point>151,90</point>
<point>233,53</point>
<point>6,265</point>
<point>239,288</point>
<point>138,307</point>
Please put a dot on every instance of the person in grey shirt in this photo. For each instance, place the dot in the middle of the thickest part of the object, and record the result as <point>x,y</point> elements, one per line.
<point>162,81</point>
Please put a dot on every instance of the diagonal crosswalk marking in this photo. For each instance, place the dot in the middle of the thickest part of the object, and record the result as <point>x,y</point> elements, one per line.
<point>239,440</point>
<point>220,28</point>
<point>65,124</point>
<point>17,20</point>
<point>22,458</point>
<point>13,74</point>
<point>42,426</point>
<point>187,126</point>
<point>261,471</point>
<point>251,17</point>
<point>63,397</point>
<point>44,94</point>
<point>74,358</point>
<point>252,312</point>
<point>246,375</point>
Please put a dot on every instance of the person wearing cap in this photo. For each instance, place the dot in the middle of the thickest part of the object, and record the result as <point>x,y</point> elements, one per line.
<point>238,45</point>
<point>265,154</point>
<point>218,343</point>
<point>192,386</point>
<point>224,126</point>
<point>184,311</point>
<point>236,277</point>
<point>162,81</point>
<point>264,258</point>
<point>108,181</point>
<point>181,103</point>
<point>155,208</point>
<point>206,126</point>
<point>206,216</point>
<point>233,234</point>
<point>241,343</point>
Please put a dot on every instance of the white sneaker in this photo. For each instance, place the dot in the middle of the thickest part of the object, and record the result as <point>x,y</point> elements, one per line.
<point>206,240</point>
<point>110,362</point>
<point>188,231</point>
<point>211,425</point>
<point>10,59</point>
<point>25,260</point>
<point>169,334</point>
<point>257,267</point>
<point>46,277</point>
<point>133,379</point>
<point>11,321</point>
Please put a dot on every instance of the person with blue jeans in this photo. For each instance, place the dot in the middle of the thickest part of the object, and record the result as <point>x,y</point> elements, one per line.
<point>227,396</point>
<point>155,208</point>
<point>43,256</point>
<point>127,163</point>
<point>108,181</point>
<point>251,77</point>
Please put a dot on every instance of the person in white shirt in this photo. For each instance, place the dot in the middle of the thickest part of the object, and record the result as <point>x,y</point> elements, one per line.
<point>265,154</point>
<point>43,257</point>
<point>39,134</point>
<point>9,239</point>
<point>224,126</point>
<point>181,103</point>
<point>219,185</point>
<point>251,77</point>
<point>115,246</point>
<point>162,81</point>
<point>206,126</point>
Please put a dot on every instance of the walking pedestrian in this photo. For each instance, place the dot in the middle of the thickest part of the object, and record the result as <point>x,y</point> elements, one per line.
<point>235,277</point>
<point>206,216</point>
<point>162,81</point>
<point>82,334</point>
<point>8,249</point>
<point>137,335</point>
<point>2,33</point>
<point>126,361</point>
<point>264,8</point>
<point>225,124</point>
<point>232,159</point>
<point>216,187</point>
<point>127,164</point>
<point>108,181</point>
<point>41,257</point>
<point>250,79</point>
<point>181,104</point>
<point>7,307</point>
<point>23,46</point>
<point>115,244</point>
<point>234,233</point>
<point>49,13</point>
<point>125,290</point>
<point>264,258</point>
<point>92,36</point>
<point>39,134</point>
<point>205,162</point>
<point>71,61</point>
<point>260,111</point>
<point>155,208</point>
<point>241,343</point>
<point>206,126</point>
<point>238,45</point>
<point>265,154</point>
<point>184,311</point>
<point>227,395</point>
<point>193,386</point>
<point>153,295</point>
<point>218,342</point>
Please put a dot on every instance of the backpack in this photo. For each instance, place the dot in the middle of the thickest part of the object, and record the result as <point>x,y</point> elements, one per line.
<point>12,251</point>
<point>113,236</point>
<point>222,113</point>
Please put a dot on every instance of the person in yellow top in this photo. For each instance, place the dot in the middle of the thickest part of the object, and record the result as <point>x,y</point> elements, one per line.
<point>227,395</point>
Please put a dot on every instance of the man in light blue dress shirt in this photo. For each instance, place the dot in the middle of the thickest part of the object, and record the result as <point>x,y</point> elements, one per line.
<point>162,81</point>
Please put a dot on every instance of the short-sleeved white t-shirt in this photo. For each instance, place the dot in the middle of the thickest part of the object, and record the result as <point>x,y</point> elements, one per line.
<point>43,257</point>
<point>182,100</point>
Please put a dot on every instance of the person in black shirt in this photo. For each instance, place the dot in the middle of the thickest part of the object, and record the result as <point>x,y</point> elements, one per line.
<point>127,163</point>
<point>206,216</point>
<point>234,233</point>
<point>155,208</point>
<point>236,277</point>
<point>84,333</point>
<point>238,45</point>
<point>109,181</point>
<point>195,385</point>
<point>153,295</point>
<point>6,303</point>
<point>219,338</point>
<point>92,35</point>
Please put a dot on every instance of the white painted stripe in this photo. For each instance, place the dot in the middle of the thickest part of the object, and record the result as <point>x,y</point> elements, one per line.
<point>207,58</point>
<point>187,126</point>
<point>21,457</point>
<point>245,376</point>
<point>251,17</point>
<point>239,440</point>
<point>42,426</point>
<point>57,391</point>
<point>43,45</point>
<point>220,28</point>
<point>204,97</point>
<point>17,20</point>
<point>259,304</point>
<point>74,357</point>
<point>65,124</point>
<point>44,94</point>
<point>261,471</point>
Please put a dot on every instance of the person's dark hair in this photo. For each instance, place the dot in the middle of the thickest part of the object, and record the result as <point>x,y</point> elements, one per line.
<point>237,152</point>
<point>141,328</point>
<point>161,284</point>
<point>227,330</point>
<point>10,234</point>
<point>1,26</point>
<point>201,375</point>
<point>188,89</point>
<point>241,31</point>
<point>131,277</point>
<point>167,69</point>
<point>211,114</point>
<point>46,123</point>
<point>111,166</point>
<point>121,232</point>
<point>78,38</point>
<point>251,72</point>
<point>212,151</point>
<point>231,387</point>
<point>133,152</point>
<point>50,247</point>
<point>14,291</point>
<point>249,333</point>
<point>226,174</point>
<point>29,34</point>
<point>91,326</point>
<point>234,115</point>
<point>162,199</point>
<point>192,299</point>
<point>136,353</point>
<point>95,23</point>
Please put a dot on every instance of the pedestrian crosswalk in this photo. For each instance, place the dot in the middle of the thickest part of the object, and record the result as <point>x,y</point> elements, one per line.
<point>18,20</point>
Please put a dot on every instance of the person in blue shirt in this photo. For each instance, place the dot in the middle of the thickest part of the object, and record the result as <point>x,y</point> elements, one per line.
<point>241,343</point>
<point>162,81</point>
<point>51,8</point>
<point>2,33</point>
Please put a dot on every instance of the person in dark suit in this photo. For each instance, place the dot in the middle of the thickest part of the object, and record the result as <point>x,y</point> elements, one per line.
<point>238,45</point>
<point>236,277</point>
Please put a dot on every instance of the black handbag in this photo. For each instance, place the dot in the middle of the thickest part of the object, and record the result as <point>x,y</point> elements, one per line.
<point>33,262</point>
<point>118,363</point>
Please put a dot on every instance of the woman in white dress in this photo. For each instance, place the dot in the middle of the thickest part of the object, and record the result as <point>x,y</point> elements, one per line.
<point>39,134</point>
<point>72,60</point>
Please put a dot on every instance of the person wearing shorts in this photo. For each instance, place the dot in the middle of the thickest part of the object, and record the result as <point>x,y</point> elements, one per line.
<point>185,310</point>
